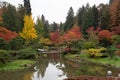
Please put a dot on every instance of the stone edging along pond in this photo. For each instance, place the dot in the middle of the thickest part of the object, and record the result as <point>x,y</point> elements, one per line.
<point>93,78</point>
<point>85,77</point>
<point>82,59</point>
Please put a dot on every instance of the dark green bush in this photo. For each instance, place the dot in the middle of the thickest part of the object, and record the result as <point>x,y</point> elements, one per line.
<point>16,43</point>
<point>2,43</point>
<point>88,45</point>
<point>4,55</point>
<point>26,53</point>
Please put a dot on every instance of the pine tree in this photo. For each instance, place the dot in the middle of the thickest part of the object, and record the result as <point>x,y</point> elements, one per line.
<point>9,17</point>
<point>104,19</point>
<point>69,20</point>
<point>20,16</point>
<point>80,13</point>
<point>95,16</point>
<point>27,7</point>
<point>54,27</point>
<point>39,27</point>
<point>46,26</point>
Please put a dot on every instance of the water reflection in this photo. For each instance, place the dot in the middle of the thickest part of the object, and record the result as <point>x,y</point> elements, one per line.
<point>53,67</point>
<point>52,73</point>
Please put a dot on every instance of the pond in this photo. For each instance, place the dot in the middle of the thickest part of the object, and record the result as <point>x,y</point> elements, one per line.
<point>56,68</point>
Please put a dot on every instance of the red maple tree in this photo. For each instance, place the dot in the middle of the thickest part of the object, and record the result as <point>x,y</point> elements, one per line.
<point>7,34</point>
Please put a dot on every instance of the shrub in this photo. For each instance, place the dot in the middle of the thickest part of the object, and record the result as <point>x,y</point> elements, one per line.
<point>111,51</point>
<point>88,45</point>
<point>96,52</point>
<point>18,43</point>
<point>2,43</point>
<point>26,53</point>
<point>4,55</point>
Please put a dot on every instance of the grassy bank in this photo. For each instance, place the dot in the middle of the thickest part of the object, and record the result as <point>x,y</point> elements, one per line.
<point>115,62</point>
<point>16,65</point>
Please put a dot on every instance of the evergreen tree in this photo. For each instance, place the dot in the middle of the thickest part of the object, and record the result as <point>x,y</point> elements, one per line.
<point>54,27</point>
<point>87,19</point>
<point>20,16</point>
<point>69,20</point>
<point>39,27</point>
<point>95,16</point>
<point>9,17</point>
<point>43,18</point>
<point>104,13</point>
<point>46,26</point>
<point>61,26</point>
<point>80,13</point>
<point>27,7</point>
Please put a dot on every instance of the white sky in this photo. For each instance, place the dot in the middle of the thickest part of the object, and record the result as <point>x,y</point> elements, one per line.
<point>55,10</point>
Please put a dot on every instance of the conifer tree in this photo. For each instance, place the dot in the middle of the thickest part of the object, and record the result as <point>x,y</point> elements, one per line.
<point>27,7</point>
<point>69,20</point>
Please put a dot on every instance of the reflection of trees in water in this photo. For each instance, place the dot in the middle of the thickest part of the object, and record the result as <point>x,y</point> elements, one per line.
<point>53,58</point>
<point>17,75</point>
<point>41,67</point>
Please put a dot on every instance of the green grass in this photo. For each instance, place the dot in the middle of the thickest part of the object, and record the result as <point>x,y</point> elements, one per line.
<point>105,61</point>
<point>15,65</point>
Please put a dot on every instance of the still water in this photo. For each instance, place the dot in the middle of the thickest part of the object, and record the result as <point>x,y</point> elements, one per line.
<point>56,68</point>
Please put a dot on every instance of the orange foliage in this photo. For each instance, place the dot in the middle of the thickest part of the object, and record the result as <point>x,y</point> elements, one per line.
<point>116,29</point>
<point>93,29</point>
<point>54,36</point>
<point>105,34</point>
<point>7,34</point>
<point>115,13</point>
<point>73,34</point>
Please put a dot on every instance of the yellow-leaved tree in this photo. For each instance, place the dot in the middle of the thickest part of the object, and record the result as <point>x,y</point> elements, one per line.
<point>28,32</point>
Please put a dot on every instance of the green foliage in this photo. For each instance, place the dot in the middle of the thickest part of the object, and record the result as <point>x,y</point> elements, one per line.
<point>18,43</point>
<point>20,17</point>
<point>4,55</point>
<point>16,65</point>
<point>105,42</point>
<point>26,53</point>
<point>111,51</point>
<point>27,7</point>
<point>87,45</point>
<point>77,45</point>
<point>116,39</point>
<point>39,26</point>
<point>104,16</point>
<point>2,43</point>
<point>10,19</point>
<point>95,52</point>
<point>69,20</point>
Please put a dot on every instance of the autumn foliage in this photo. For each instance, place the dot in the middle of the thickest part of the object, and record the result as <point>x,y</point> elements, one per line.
<point>71,35</point>
<point>93,29</point>
<point>28,31</point>
<point>7,34</point>
<point>105,34</point>
<point>55,36</point>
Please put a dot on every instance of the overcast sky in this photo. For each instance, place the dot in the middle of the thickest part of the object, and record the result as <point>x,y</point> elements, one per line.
<point>55,10</point>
